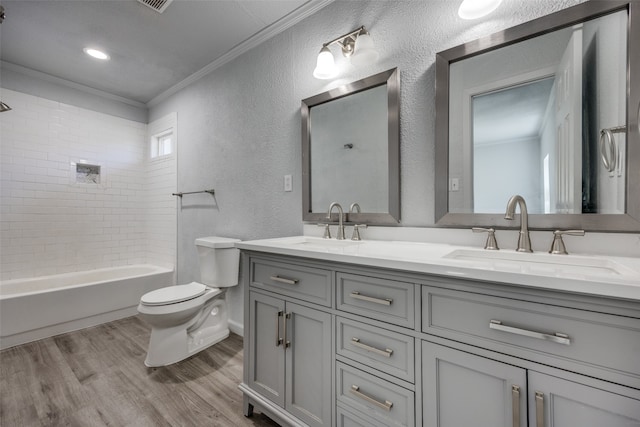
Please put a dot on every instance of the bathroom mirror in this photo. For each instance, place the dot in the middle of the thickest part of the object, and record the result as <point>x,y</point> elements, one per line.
<point>548,110</point>
<point>351,151</point>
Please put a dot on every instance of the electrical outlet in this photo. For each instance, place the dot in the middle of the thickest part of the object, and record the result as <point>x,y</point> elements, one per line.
<point>288,185</point>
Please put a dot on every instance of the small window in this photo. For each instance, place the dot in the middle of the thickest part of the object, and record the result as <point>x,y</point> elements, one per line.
<point>162,144</point>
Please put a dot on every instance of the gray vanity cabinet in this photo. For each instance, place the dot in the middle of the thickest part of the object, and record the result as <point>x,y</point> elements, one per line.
<point>462,389</point>
<point>289,363</point>
<point>341,345</point>
<point>558,402</point>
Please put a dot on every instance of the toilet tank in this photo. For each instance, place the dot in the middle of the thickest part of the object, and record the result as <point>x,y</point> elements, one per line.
<point>219,261</point>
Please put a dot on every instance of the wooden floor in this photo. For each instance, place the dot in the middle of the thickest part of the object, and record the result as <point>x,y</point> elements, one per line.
<point>96,377</point>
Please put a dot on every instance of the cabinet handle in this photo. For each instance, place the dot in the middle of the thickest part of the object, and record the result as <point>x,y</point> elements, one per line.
<point>284,280</point>
<point>356,391</point>
<point>287,343</point>
<point>358,295</point>
<point>557,337</point>
<point>386,352</point>
<point>278,339</point>
<point>539,409</point>
<point>515,402</point>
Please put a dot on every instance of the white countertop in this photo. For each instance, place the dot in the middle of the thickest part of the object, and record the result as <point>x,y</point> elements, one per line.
<point>615,277</point>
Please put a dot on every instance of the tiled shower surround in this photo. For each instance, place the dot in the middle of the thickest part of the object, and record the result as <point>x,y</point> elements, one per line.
<point>50,222</point>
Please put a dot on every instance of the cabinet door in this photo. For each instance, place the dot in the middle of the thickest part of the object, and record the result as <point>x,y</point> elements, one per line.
<point>561,403</point>
<point>266,349</point>
<point>308,365</point>
<point>462,389</point>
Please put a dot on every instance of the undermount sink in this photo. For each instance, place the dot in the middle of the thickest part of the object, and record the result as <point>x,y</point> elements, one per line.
<point>561,265</point>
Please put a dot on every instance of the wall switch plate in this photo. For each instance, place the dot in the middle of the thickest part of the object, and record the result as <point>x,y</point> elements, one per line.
<point>454,184</point>
<point>288,185</point>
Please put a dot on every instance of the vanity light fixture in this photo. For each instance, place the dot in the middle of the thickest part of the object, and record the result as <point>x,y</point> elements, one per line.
<point>95,53</point>
<point>473,9</point>
<point>356,45</point>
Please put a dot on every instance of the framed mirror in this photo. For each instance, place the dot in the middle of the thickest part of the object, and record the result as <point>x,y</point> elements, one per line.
<point>351,151</point>
<point>548,110</point>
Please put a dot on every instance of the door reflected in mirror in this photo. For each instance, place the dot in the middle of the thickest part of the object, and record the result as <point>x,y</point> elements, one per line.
<point>531,123</point>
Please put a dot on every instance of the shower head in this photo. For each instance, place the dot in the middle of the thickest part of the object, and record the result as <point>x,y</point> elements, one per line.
<point>4,107</point>
<point>1,13</point>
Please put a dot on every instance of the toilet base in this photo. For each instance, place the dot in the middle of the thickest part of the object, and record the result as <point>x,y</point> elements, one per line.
<point>171,345</point>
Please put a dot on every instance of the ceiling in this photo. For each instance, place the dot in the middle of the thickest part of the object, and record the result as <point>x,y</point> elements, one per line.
<point>151,53</point>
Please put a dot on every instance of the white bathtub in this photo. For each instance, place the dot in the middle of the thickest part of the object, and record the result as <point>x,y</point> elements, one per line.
<point>40,307</point>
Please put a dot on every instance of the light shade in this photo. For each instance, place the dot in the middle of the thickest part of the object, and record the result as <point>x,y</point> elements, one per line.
<point>364,51</point>
<point>473,9</point>
<point>326,66</point>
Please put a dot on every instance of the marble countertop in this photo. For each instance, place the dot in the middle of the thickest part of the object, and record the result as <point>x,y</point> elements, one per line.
<point>614,277</point>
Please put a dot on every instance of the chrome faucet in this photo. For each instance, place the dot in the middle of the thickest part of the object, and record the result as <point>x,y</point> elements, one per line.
<point>340,235</point>
<point>524,241</point>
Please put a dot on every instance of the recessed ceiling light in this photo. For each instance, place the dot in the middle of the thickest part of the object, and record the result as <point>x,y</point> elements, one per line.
<point>98,54</point>
<point>473,9</point>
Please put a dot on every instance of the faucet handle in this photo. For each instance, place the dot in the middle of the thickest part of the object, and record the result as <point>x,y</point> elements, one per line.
<point>356,231</point>
<point>327,231</point>
<point>491,243</point>
<point>557,246</point>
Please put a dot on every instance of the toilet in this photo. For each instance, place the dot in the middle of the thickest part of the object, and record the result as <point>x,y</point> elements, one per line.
<point>188,318</point>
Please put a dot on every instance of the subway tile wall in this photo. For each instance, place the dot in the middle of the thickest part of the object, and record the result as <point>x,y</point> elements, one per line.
<point>49,223</point>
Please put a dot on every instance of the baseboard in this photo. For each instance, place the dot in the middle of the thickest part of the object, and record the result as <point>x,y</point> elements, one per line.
<point>236,327</point>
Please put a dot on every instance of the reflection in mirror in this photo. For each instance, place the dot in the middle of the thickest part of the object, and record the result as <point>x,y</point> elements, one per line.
<point>350,150</point>
<point>349,155</point>
<point>534,114</point>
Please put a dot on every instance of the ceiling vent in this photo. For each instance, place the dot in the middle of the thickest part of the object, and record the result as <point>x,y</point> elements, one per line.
<point>157,5</point>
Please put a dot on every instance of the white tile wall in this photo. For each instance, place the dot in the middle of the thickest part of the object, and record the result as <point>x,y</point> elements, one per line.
<point>49,224</point>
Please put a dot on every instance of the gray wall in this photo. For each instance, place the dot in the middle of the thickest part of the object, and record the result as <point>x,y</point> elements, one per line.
<point>239,127</point>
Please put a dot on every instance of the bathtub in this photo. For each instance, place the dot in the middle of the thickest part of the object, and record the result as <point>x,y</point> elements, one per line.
<point>40,307</point>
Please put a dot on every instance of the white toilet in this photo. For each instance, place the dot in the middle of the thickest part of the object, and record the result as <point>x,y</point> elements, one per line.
<point>188,318</point>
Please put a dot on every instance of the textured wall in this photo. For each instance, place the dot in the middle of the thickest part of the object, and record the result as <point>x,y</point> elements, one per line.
<point>240,125</point>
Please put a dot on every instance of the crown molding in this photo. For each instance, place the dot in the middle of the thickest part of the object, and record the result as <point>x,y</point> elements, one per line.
<point>272,30</point>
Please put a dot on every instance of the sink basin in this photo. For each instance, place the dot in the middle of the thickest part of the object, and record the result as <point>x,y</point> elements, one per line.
<point>537,263</point>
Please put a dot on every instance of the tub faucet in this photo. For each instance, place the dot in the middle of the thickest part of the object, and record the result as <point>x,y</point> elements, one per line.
<point>340,235</point>
<point>524,242</point>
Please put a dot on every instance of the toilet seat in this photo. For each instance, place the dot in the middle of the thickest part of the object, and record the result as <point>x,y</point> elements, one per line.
<point>173,294</point>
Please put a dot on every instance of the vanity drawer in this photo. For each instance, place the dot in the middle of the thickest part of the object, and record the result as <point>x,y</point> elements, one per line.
<point>599,339</point>
<point>310,284</point>
<point>349,417</point>
<point>378,348</point>
<point>386,300</point>
<point>382,400</point>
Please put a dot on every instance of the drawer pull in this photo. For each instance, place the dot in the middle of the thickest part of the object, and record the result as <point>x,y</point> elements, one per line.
<point>386,352</point>
<point>287,343</point>
<point>284,280</point>
<point>358,295</point>
<point>515,402</point>
<point>278,339</point>
<point>539,409</point>
<point>557,337</point>
<point>386,405</point>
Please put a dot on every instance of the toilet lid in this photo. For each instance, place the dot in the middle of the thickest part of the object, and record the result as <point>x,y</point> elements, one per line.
<point>173,294</point>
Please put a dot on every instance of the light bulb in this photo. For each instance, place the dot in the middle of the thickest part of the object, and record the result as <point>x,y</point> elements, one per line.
<point>473,9</point>
<point>326,66</point>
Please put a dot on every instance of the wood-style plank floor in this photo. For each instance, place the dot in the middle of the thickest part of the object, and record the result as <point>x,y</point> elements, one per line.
<point>96,377</point>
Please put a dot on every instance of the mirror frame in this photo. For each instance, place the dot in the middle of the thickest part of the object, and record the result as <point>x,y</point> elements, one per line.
<point>392,79</point>
<point>627,222</point>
